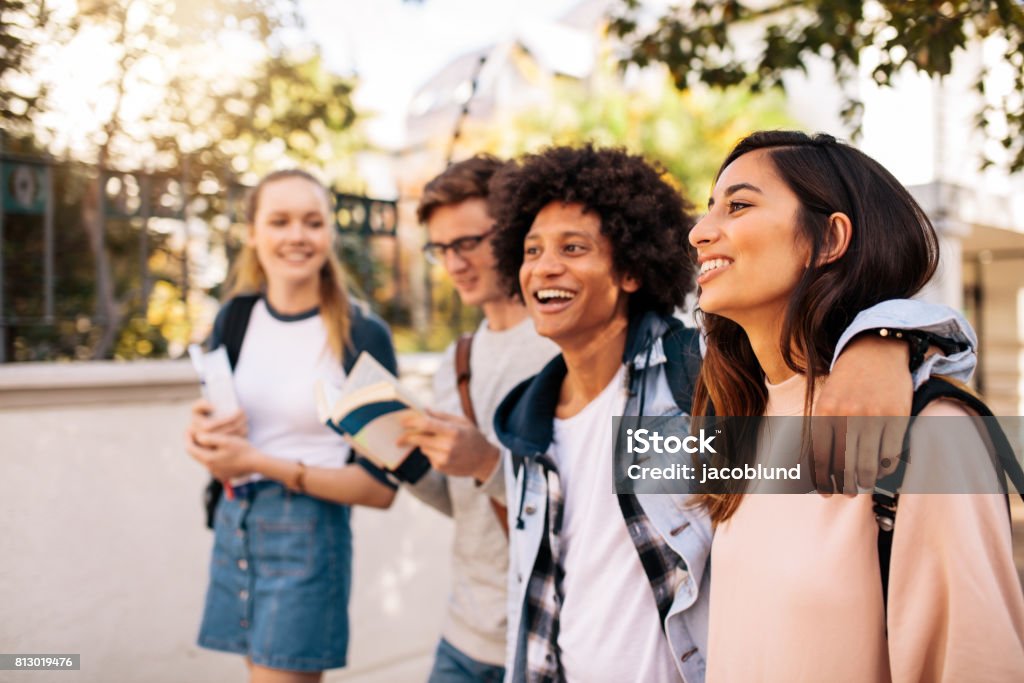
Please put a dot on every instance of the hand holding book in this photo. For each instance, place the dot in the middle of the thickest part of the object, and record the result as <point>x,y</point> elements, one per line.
<point>452,443</point>
<point>367,410</point>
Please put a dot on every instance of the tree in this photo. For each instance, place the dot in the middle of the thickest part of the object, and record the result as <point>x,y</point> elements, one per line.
<point>186,105</point>
<point>22,23</point>
<point>697,43</point>
<point>688,133</point>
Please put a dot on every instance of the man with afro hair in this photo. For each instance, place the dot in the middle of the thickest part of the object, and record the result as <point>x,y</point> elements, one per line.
<point>607,586</point>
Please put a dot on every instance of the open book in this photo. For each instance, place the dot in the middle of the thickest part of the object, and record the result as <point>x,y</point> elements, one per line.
<point>367,410</point>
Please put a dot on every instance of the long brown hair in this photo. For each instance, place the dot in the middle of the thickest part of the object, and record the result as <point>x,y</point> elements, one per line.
<point>247,275</point>
<point>893,252</point>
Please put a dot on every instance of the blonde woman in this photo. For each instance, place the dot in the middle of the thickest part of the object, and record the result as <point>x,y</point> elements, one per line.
<point>281,568</point>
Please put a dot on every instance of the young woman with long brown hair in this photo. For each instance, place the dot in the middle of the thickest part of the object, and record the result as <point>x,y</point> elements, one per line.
<point>801,233</point>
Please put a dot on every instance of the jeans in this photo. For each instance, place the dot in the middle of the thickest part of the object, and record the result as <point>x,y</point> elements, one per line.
<point>452,666</point>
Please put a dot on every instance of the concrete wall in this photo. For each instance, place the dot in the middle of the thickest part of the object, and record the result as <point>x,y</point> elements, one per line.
<point>103,551</point>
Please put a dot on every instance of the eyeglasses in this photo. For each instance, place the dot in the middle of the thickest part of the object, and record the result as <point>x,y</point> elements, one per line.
<point>435,251</point>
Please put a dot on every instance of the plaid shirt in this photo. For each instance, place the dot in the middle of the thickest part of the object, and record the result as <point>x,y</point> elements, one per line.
<point>544,593</point>
<point>524,423</point>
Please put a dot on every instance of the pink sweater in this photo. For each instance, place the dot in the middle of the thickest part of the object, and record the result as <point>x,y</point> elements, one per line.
<point>796,593</point>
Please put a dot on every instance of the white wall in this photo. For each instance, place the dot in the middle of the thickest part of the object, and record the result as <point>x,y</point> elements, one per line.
<point>103,551</point>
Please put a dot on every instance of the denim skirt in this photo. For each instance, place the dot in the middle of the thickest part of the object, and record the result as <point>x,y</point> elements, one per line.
<point>280,579</point>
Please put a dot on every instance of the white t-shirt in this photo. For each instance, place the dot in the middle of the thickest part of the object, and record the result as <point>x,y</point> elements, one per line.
<point>609,629</point>
<point>278,365</point>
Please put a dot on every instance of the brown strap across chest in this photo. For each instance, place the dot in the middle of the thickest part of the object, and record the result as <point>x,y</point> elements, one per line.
<point>463,347</point>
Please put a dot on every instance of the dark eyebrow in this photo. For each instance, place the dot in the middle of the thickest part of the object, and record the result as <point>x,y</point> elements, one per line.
<point>733,189</point>
<point>565,234</point>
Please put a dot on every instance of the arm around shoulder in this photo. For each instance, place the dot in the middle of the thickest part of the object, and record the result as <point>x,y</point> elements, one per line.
<point>936,319</point>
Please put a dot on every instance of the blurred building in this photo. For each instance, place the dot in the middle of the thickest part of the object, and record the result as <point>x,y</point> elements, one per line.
<point>923,130</point>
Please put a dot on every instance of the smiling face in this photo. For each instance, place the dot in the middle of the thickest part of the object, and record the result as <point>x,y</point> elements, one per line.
<point>567,277</point>
<point>291,232</point>
<point>750,251</point>
<point>472,269</point>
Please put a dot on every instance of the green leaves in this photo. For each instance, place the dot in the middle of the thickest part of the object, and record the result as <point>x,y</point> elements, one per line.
<point>202,91</point>
<point>755,43</point>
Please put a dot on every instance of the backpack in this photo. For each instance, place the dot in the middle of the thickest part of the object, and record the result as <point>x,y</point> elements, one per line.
<point>886,496</point>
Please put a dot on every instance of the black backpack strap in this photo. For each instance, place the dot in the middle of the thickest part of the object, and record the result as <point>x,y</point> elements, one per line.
<point>887,490</point>
<point>683,361</point>
<point>236,321</point>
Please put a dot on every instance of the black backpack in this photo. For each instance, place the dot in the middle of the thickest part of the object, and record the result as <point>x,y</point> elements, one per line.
<point>885,504</point>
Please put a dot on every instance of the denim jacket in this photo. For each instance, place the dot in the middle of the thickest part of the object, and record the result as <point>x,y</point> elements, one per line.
<point>524,425</point>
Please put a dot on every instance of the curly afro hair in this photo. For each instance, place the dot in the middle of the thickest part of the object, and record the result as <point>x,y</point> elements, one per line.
<point>645,218</point>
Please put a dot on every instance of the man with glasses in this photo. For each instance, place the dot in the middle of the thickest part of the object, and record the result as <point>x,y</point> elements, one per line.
<point>467,482</point>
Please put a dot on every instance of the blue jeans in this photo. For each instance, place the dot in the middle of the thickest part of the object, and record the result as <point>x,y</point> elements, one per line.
<point>452,666</point>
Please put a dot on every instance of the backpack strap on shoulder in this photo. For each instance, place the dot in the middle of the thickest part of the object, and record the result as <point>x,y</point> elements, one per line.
<point>349,352</point>
<point>236,321</point>
<point>887,490</point>
<point>683,361</point>
<point>463,347</point>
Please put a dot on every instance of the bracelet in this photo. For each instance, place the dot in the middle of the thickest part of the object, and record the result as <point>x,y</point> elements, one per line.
<point>916,342</point>
<point>298,485</point>
<point>919,341</point>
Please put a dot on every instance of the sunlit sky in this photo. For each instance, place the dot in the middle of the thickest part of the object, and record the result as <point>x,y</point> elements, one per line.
<point>395,46</point>
<point>392,46</point>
